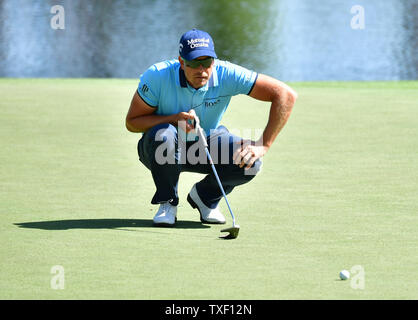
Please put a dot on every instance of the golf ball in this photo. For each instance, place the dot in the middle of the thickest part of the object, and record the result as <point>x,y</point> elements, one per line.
<point>344,275</point>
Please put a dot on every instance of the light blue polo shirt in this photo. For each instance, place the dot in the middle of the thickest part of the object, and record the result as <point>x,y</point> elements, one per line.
<point>164,87</point>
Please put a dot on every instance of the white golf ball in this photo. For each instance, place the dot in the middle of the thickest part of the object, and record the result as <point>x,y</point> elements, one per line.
<point>344,275</point>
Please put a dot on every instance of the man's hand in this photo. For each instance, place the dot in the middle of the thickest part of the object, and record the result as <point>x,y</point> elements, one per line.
<point>142,117</point>
<point>184,120</point>
<point>248,153</point>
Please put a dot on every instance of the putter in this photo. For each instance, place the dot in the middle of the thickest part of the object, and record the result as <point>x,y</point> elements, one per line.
<point>234,230</point>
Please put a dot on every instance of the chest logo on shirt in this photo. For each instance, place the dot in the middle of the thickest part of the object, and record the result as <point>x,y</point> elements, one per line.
<point>210,104</point>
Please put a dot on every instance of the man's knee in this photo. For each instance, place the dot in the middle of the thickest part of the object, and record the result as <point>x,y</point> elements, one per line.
<point>163,143</point>
<point>223,146</point>
<point>236,175</point>
<point>158,145</point>
<point>254,170</point>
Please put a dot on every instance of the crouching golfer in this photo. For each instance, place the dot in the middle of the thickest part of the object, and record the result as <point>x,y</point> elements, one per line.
<point>170,95</point>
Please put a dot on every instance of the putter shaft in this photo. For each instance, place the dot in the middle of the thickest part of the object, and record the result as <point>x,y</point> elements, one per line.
<point>220,185</point>
<point>205,143</point>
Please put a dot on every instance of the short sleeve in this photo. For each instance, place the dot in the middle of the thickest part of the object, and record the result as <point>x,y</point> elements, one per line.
<point>149,87</point>
<point>239,80</point>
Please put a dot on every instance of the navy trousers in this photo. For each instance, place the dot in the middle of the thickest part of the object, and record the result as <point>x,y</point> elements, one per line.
<point>166,153</point>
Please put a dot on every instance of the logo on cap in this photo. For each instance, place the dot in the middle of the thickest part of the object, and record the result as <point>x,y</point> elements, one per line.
<point>195,43</point>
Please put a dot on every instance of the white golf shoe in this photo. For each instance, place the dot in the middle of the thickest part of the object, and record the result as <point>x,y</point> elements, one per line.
<point>166,215</point>
<point>207,215</point>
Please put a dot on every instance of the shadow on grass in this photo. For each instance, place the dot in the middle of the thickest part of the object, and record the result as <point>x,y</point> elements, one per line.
<point>103,224</point>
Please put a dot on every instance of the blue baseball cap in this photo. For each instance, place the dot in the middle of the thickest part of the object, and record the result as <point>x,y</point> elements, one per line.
<point>196,43</point>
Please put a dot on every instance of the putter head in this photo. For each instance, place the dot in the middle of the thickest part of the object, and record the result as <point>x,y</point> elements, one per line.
<point>233,232</point>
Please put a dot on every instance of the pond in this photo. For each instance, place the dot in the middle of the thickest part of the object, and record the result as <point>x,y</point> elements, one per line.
<point>293,40</point>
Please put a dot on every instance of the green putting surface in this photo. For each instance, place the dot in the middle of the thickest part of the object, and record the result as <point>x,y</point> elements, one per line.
<point>338,189</point>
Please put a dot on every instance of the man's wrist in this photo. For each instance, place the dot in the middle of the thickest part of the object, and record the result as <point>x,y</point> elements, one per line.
<point>262,142</point>
<point>171,119</point>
